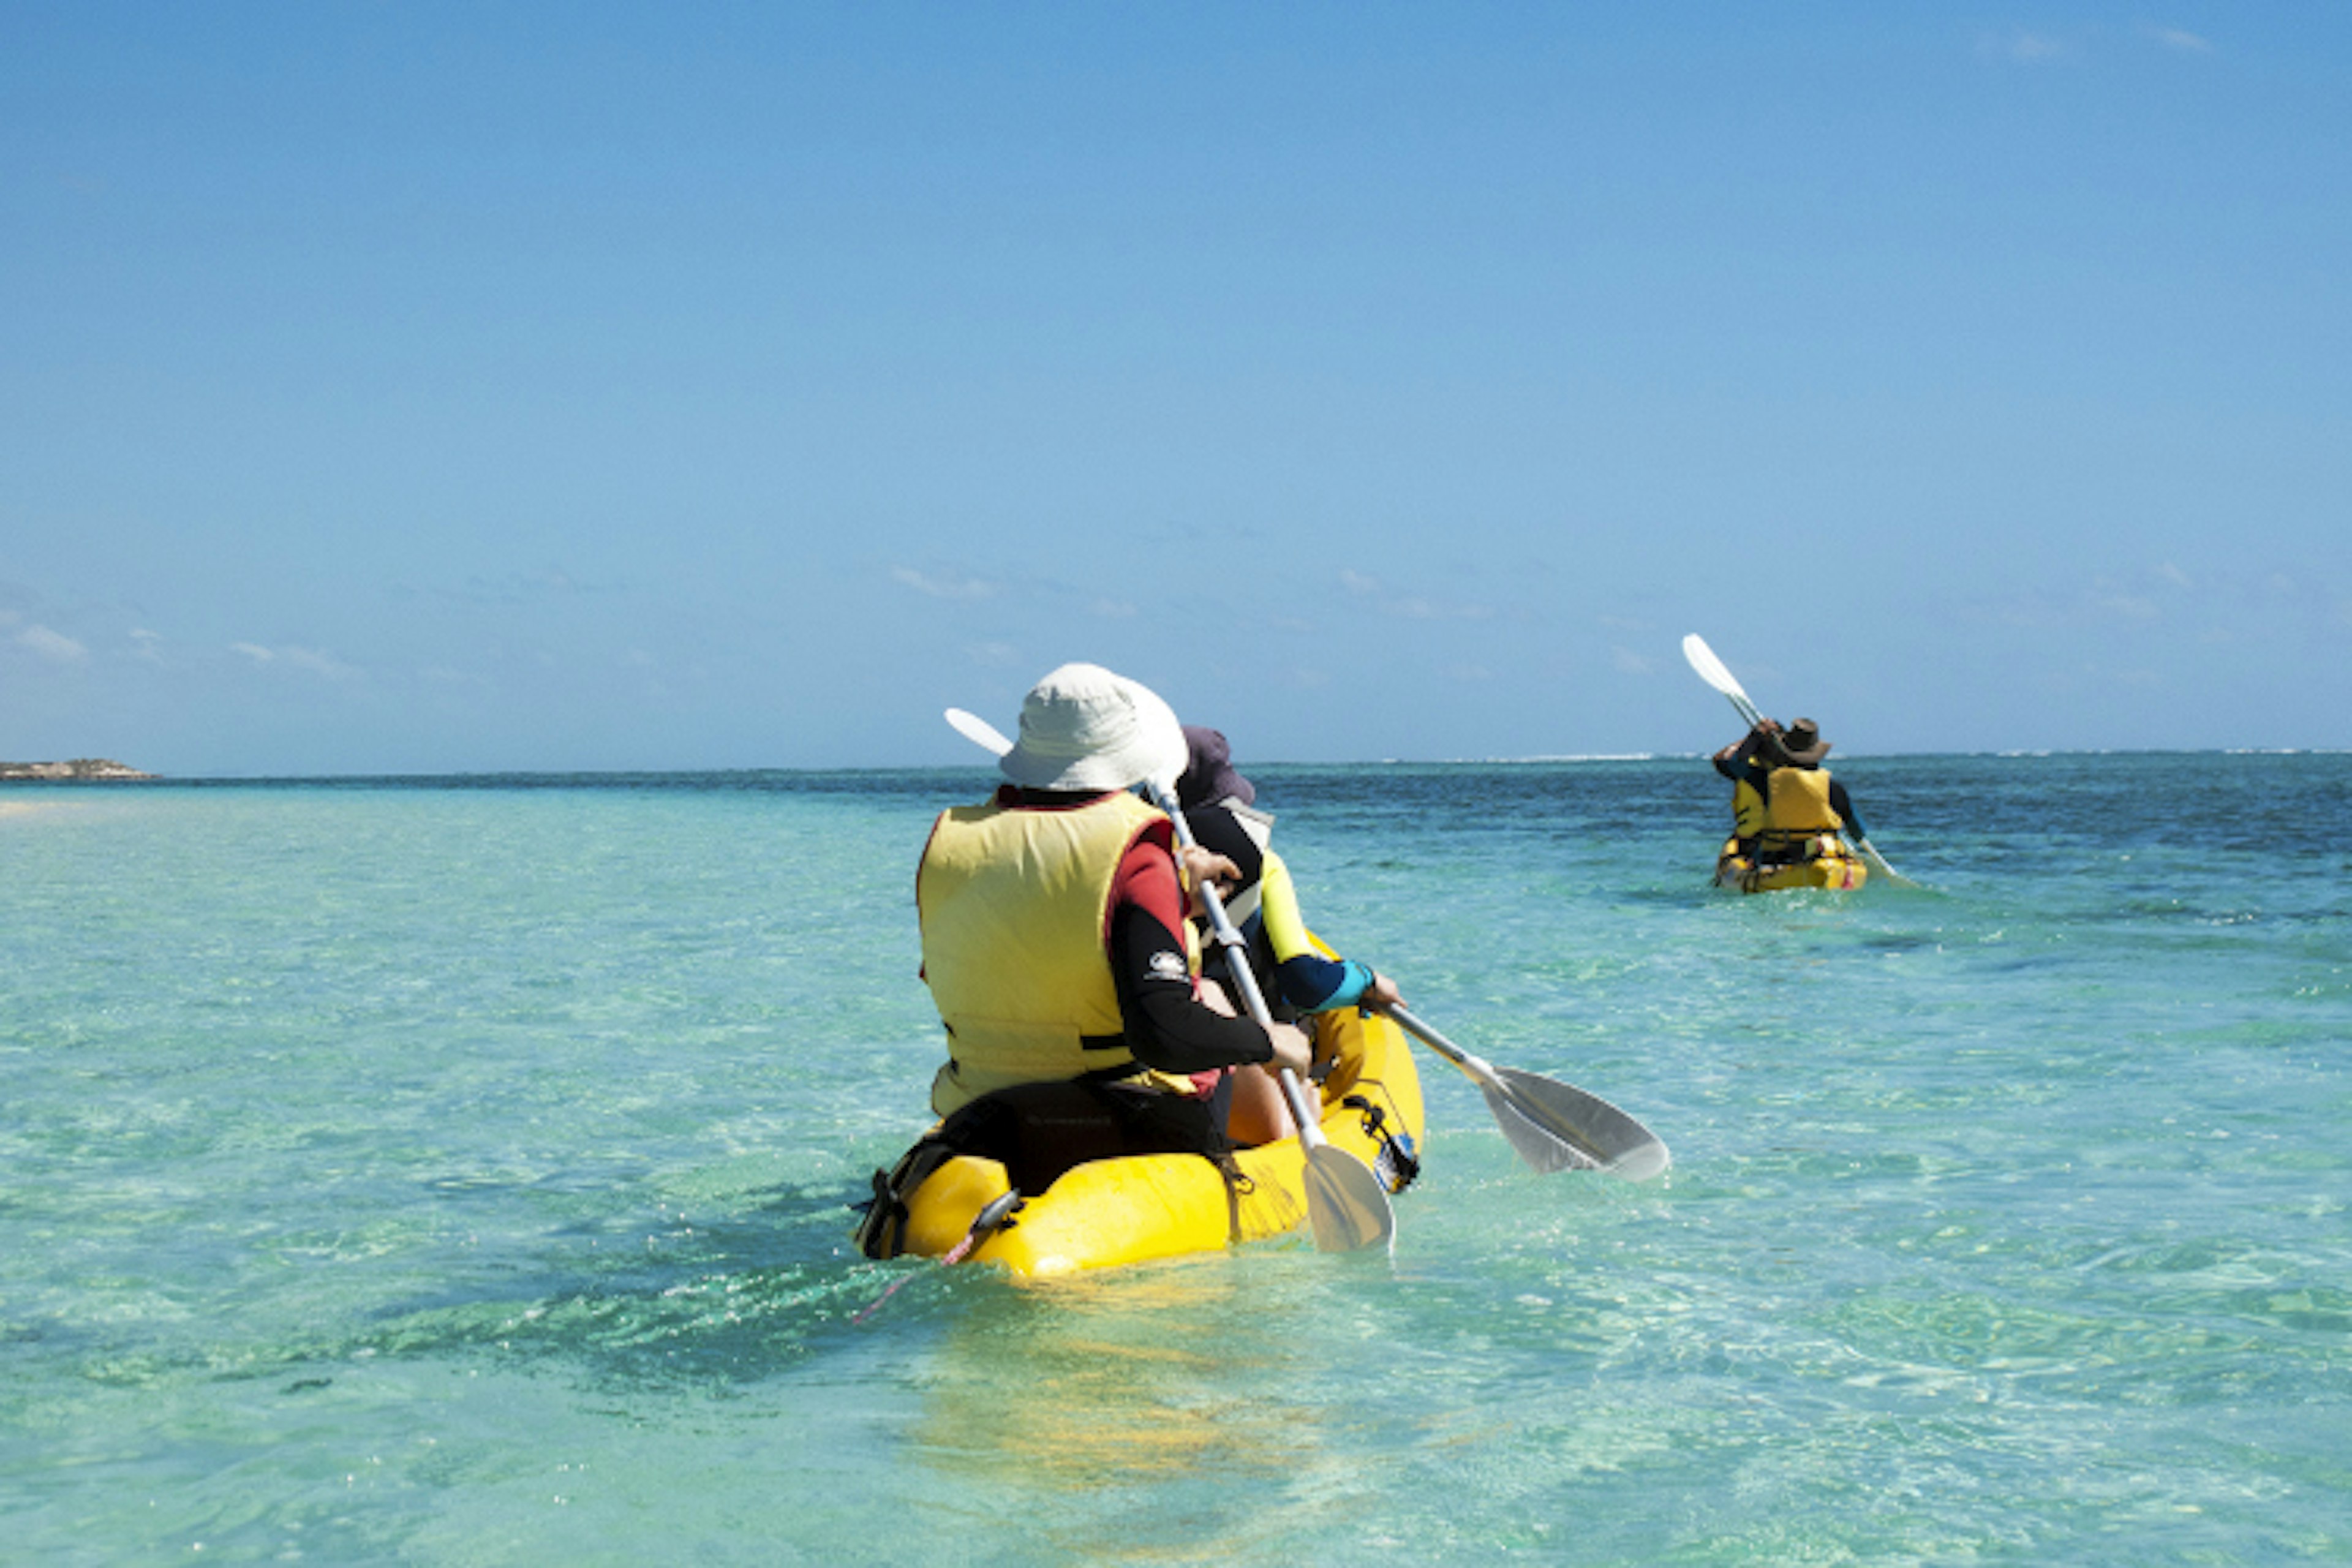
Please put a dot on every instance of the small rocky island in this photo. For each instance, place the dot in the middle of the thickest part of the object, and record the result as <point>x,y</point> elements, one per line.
<point>79,768</point>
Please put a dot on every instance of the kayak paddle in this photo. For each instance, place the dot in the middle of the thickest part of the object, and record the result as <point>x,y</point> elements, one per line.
<point>1554,1126</point>
<point>978,730</point>
<point>1347,1206</point>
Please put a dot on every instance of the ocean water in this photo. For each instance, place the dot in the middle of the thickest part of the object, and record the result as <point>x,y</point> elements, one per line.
<point>455,1172</point>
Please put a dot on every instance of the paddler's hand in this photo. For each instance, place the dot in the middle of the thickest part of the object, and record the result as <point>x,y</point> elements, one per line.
<point>1201,866</point>
<point>1380,994</point>
<point>1292,1048</point>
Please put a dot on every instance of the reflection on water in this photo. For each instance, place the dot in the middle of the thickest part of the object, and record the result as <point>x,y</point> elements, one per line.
<point>1178,1411</point>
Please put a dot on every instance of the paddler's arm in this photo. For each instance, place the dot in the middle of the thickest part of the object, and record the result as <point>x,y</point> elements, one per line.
<point>1167,1026</point>
<point>1736,761</point>
<point>1844,808</point>
<point>1311,981</point>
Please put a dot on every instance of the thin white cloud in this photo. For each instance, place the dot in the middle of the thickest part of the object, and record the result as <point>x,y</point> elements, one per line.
<point>54,647</point>
<point>1113,610</point>
<point>2174,576</point>
<point>2022,49</point>
<point>994,655</point>
<point>318,663</point>
<point>956,586</point>
<point>315,660</point>
<point>1413,607</point>
<point>1629,662</point>
<point>1441,609</point>
<point>2180,40</point>
<point>509,588</point>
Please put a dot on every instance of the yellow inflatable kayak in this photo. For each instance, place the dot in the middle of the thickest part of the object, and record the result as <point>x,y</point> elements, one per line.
<point>1835,867</point>
<point>1138,1206</point>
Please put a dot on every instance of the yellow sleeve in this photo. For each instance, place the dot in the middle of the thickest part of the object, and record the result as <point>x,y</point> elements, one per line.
<point>1286,928</point>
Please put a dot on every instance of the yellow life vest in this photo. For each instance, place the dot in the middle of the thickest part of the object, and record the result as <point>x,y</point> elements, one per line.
<point>1012,903</point>
<point>1746,810</point>
<point>1795,805</point>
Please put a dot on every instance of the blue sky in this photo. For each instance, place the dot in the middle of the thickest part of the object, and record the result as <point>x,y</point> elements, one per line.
<point>471,388</point>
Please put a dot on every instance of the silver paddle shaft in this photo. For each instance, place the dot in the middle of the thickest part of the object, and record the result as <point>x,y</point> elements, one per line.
<point>1237,965</point>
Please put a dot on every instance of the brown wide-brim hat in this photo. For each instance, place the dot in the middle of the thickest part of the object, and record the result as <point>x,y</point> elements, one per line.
<point>1801,743</point>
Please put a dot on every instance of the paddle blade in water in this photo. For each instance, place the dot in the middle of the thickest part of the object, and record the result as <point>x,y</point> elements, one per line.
<point>1604,1134</point>
<point>1543,1151</point>
<point>1346,1207</point>
<point>1642,1161</point>
<point>1879,862</point>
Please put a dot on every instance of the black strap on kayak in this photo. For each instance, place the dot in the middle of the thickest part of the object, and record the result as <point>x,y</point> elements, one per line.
<point>1398,1164</point>
<point>882,1223</point>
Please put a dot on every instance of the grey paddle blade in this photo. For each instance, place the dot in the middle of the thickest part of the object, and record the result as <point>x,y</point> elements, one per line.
<point>1603,1134</point>
<point>1544,1152</point>
<point>1346,1207</point>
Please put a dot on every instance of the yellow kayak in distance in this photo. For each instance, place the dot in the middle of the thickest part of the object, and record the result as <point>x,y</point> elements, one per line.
<point>1835,868</point>
<point>1134,1207</point>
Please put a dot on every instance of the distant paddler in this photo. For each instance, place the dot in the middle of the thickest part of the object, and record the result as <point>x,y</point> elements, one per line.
<point>1761,759</point>
<point>1786,809</point>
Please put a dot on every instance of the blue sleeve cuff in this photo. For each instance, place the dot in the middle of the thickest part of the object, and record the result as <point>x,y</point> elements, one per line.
<point>1315,985</point>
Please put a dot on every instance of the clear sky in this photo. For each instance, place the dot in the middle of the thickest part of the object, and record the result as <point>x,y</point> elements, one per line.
<point>477,387</point>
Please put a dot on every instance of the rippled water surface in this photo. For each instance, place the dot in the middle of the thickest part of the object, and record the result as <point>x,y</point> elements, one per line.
<point>455,1173</point>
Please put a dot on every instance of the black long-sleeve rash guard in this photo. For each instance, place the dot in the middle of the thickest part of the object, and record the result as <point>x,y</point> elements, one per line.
<point>1167,1027</point>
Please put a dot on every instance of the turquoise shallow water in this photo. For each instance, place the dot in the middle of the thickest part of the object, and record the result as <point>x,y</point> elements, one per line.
<point>454,1173</point>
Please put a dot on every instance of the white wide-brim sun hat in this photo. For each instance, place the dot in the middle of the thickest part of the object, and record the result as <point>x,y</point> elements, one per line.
<point>1084,728</point>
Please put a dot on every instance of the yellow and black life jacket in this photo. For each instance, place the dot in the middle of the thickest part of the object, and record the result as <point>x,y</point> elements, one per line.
<point>1795,808</point>
<point>1013,903</point>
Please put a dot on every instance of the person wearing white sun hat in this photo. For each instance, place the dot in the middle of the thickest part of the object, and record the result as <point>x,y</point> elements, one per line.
<point>1053,929</point>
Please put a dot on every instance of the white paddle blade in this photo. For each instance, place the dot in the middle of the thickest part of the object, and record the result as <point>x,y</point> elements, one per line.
<point>1710,669</point>
<point>978,731</point>
<point>1346,1207</point>
<point>1879,861</point>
